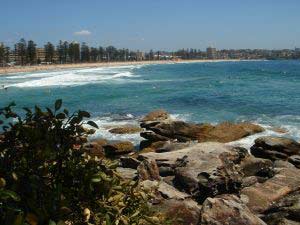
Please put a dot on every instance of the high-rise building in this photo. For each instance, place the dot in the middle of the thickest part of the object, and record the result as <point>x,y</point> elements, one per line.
<point>211,53</point>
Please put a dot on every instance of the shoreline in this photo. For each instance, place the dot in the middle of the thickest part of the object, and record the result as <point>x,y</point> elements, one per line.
<point>36,68</point>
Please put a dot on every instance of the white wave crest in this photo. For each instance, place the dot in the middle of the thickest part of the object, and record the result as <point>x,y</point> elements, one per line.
<point>71,77</point>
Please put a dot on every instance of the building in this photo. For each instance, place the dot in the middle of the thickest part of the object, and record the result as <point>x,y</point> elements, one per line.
<point>140,56</point>
<point>41,54</point>
<point>211,53</point>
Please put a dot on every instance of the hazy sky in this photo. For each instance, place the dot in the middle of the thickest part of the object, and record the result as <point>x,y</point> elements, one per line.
<point>155,24</point>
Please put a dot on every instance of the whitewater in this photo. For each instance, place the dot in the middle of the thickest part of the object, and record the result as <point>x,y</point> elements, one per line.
<point>261,92</point>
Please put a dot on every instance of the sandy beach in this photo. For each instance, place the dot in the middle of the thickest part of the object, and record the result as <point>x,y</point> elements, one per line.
<point>20,69</point>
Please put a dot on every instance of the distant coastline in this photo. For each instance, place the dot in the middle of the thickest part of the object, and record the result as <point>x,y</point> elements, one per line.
<point>35,68</point>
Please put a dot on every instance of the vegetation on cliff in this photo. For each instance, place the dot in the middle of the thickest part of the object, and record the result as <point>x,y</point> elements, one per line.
<point>46,178</point>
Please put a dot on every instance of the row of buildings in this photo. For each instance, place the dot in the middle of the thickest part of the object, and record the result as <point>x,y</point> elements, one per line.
<point>213,53</point>
<point>13,57</point>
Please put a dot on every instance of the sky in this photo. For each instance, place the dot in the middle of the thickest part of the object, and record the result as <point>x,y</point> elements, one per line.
<point>154,24</point>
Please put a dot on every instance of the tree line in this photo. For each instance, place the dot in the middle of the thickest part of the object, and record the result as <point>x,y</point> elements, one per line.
<point>26,53</point>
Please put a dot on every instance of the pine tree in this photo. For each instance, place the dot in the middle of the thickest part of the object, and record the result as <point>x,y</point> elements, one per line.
<point>85,52</point>
<point>94,54</point>
<point>49,52</point>
<point>2,54</point>
<point>21,52</point>
<point>31,52</point>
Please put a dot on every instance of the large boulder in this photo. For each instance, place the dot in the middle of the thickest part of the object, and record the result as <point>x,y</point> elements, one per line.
<point>203,170</point>
<point>261,196</point>
<point>227,209</point>
<point>125,130</point>
<point>180,212</point>
<point>228,132</point>
<point>118,148</point>
<point>183,132</point>
<point>275,148</point>
<point>95,148</point>
<point>251,166</point>
<point>158,115</point>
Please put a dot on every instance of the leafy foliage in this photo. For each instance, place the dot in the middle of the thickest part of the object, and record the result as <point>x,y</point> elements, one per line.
<point>46,178</point>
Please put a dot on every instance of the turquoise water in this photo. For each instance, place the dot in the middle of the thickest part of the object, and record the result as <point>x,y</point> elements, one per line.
<point>264,92</point>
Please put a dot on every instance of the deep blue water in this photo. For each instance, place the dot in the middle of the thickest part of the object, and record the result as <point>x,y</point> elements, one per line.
<point>265,92</point>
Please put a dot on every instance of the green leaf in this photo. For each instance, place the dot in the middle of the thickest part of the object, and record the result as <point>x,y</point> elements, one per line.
<point>58,104</point>
<point>96,178</point>
<point>6,194</point>
<point>84,114</point>
<point>49,111</point>
<point>93,124</point>
<point>61,116</point>
<point>51,222</point>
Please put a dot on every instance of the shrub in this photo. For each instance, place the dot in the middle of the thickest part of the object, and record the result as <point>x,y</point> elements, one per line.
<point>46,178</point>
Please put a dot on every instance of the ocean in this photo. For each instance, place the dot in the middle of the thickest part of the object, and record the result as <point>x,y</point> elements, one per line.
<point>262,92</point>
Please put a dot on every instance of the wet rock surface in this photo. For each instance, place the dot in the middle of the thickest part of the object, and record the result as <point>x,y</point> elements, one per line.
<point>184,132</point>
<point>275,148</point>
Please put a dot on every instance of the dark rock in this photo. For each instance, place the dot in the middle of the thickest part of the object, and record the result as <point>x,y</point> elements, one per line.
<point>148,170</point>
<point>166,171</point>
<point>169,180</point>
<point>153,137</point>
<point>275,148</point>
<point>295,160</point>
<point>119,148</point>
<point>129,162</point>
<point>252,166</point>
<point>227,209</point>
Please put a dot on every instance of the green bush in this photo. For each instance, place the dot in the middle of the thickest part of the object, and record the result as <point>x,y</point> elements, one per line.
<point>46,178</point>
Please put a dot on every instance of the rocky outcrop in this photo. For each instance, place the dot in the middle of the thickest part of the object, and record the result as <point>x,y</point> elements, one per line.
<point>261,196</point>
<point>125,130</point>
<point>285,211</point>
<point>158,115</point>
<point>184,132</point>
<point>275,148</point>
<point>119,148</point>
<point>95,148</point>
<point>148,170</point>
<point>295,160</point>
<point>202,170</point>
<point>227,209</point>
